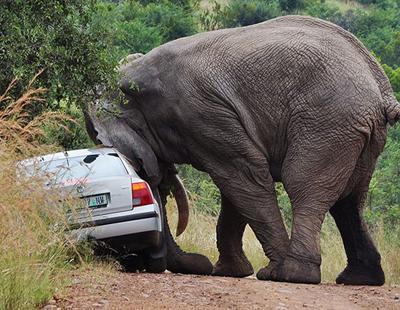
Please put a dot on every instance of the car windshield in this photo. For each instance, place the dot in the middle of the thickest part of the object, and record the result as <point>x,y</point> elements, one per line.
<point>89,167</point>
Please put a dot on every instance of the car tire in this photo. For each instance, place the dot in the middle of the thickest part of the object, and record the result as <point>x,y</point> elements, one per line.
<point>156,265</point>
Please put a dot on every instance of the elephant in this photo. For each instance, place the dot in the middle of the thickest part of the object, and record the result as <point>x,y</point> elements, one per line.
<point>296,100</point>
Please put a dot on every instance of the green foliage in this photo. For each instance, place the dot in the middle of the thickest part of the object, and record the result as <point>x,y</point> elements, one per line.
<point>56,36</point>
<point>201,189</point>
<point>139,26</point>
<point>72,137</point>
<point>240,13</point>
<point>284,204</point>
<point>384,194</point>
<point>292,5</point>
<point>394,77</point>
<point>326,11</point>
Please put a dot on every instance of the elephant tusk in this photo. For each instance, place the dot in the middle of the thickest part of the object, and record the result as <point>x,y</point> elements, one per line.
<point>181,198</point>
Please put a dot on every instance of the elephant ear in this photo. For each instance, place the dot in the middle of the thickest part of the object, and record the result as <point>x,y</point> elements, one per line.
<point>138,76</point>
<point>105,126</point>
<point>129,58</point>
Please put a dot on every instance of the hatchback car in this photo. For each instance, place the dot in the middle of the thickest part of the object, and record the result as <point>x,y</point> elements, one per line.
<point>120,211</point>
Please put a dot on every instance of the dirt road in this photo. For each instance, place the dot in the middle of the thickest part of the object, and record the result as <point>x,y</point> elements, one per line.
<point>116,290</point>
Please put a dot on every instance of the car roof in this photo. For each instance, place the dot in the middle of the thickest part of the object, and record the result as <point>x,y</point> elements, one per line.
<point>73,153</point>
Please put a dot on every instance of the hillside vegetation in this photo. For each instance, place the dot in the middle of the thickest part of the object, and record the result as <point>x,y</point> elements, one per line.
<point>77,44</point>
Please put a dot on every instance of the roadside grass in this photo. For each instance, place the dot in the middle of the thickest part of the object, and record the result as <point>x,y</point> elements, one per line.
<point>34,252</point>
<point>200,237</point>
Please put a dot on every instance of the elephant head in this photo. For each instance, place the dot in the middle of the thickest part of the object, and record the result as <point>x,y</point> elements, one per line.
<point>106,125</point>
<point>122,122</point>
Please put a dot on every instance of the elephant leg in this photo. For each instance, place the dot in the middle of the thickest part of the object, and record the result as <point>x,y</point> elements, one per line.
<point>250,189</point>
<point>179,261</point>
<point>314,179</point>
<point>232,261</point>
<point>363,259</point>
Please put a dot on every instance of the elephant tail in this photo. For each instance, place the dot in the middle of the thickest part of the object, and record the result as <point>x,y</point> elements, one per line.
<point>392,111</point>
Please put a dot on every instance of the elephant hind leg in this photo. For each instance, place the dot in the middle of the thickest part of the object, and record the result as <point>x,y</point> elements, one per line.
<point>232,261</point>
<point>363,259</point>
<point>314,178</point>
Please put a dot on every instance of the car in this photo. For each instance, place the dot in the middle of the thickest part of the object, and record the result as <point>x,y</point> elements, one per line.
<point>120,213</point>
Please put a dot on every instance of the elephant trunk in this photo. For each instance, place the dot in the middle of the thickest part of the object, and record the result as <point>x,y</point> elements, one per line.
<point>179,261</point>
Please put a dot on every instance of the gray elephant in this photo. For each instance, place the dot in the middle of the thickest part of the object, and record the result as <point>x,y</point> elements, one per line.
<point>295,100</point>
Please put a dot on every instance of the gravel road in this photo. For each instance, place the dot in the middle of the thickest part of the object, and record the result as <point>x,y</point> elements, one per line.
<point>96,289</point>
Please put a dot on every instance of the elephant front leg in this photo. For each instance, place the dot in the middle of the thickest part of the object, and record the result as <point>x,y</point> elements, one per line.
<point>232,261</point>
<point>179,261</point>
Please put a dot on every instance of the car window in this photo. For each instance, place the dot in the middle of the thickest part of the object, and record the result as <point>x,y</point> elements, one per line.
<point>88,167</point>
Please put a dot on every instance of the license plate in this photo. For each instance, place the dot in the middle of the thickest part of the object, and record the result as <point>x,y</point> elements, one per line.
<point>97,201</point>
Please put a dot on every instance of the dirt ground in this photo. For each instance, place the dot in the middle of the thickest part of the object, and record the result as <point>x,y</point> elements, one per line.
<point>117,290</point>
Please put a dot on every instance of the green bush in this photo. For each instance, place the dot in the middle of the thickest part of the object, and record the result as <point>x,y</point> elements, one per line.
<point>173,21</point>
<point>202,191</point>
<point>242,12</point>
<point>384,194</point>
<point>56,36</point>
<point>291,5</point>
<point>394,77</point>
<point>139,26</point>
<point>72,137</point>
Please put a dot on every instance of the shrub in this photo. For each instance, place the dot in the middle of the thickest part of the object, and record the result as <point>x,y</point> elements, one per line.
<point>34,252</point>
<point>139,26</point>
<point>243,13</point>
<point>202,191</point>
<point>292,5</point>
<point>239,13</point>
<point>56,36</point>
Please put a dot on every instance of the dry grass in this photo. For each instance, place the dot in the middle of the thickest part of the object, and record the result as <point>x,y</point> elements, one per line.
<point>200,237</point>
<point>33,249</point>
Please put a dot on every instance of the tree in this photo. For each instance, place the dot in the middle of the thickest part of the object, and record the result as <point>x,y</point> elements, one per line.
<point>57,36</point>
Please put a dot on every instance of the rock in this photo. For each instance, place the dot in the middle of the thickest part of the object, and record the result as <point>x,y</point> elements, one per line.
<point>103,302</point>
<point>97,305</point>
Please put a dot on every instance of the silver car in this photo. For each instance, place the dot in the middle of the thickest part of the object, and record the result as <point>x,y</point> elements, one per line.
<point>120,211</point>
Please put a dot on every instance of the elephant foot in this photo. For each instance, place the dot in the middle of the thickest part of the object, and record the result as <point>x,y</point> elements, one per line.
<point>291,270</point>
<point>189,263</point>
<point>359,274</point>
<point>267,273</point>
<point>237,266</point>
